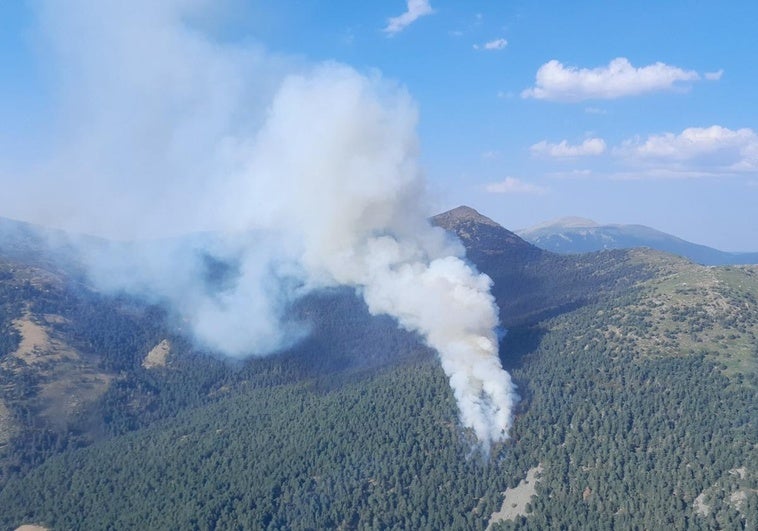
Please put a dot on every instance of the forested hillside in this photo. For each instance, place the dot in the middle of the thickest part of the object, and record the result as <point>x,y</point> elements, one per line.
<point>637,373</point>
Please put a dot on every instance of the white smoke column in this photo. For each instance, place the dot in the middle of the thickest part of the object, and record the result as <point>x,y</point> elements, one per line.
<point>450,305</point>
<point>165,131</point>
<point>339,152</point>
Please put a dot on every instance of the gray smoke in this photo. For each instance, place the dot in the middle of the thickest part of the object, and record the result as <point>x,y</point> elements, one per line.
<point>308,172</point>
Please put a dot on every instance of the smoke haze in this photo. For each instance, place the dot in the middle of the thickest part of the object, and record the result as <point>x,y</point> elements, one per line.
<point>307,175</point>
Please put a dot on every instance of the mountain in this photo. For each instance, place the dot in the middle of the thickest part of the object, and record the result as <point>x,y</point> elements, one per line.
<point>479,233</point>
<point>530,283</point>
<point>43,247</point>
<point>637,372</point>
<point>578,235</point>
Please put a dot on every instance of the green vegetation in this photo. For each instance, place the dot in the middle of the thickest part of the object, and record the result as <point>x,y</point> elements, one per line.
<point>281,457</point>
<point>631,441</point>
<point>687,308</point>
<point>639,389</point>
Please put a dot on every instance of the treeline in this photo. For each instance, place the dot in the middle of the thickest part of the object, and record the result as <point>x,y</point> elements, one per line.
<point>630,441</point>
<point>116,333</point>
<point>379,453</point>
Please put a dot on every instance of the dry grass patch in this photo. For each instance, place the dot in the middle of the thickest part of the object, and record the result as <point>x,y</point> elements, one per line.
<point>67,381</point>
<point>516,499</point>
<point>158,356</point>
<point>37,345</point>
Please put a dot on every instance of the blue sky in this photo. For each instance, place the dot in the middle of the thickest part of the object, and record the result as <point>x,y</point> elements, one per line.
<point>622,112</point>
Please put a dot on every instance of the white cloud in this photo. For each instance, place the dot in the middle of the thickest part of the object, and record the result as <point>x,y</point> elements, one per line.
<point>714,147</point>
<point>693,153</point>
<point>416,9</point>
<point>619,78</point>
<point>497,44</point>
<point>714,76</point>
<point>704,150</point>
<point>591,146</point>
<point>511,185</point>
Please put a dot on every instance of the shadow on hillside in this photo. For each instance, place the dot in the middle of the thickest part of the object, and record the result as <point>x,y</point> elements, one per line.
<point>519,343</point>
<point>526,315</point>
<point>345,342</point>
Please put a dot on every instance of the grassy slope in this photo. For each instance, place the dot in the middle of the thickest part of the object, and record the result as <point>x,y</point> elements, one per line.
<point>688,308</point>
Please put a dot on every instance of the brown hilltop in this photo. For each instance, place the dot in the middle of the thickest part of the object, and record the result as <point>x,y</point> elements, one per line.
<point>451,218</point>
<point>479,231</point>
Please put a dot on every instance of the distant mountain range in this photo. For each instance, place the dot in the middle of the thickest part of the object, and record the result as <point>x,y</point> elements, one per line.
<point>579,235</point>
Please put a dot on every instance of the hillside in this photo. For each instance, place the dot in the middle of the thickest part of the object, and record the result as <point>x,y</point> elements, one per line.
<point>48,249</point>
<point>637,372</point>
<point>532,284</point>
<point>577,235</point>
<point>482,235</point>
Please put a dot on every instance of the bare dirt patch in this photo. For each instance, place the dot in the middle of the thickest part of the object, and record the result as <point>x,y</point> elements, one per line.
<point>158,356</point>
<point>37,346</point>
<point>701,508</point>
<point>738,499</point>
<point>52,318</point>
<point>514,503</point>
<point>733,489</point>
<point>67,381</point>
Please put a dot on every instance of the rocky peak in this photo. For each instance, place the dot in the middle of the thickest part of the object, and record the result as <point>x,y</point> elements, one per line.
<point>452,218</point>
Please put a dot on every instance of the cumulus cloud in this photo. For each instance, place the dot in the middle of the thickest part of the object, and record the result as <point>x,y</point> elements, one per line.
<point>714,76</point>
<point>512,185</point>
<point>415,10</point>
<point>695,152</point>
<point>496,44</point>
<point>591,146</point>
<point>696,149</point>
<point>556,82</point>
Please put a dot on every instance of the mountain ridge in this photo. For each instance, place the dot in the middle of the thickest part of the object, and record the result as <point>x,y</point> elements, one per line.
<point>568,236</point>
<point>482,233</point>
<point>628,362</point>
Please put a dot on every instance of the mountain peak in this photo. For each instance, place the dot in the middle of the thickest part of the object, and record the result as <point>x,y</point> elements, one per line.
<point>572,222</point>
<point>459,214</point>
<point>479,233</point>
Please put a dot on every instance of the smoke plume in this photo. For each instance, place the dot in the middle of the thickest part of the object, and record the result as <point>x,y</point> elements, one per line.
<point>307,176</point>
